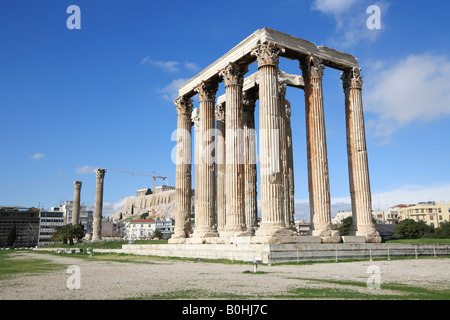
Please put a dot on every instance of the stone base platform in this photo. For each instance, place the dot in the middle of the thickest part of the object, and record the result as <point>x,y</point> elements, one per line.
<point>277,253</point>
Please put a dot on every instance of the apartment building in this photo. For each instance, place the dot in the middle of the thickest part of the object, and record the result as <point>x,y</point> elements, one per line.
<point>431,212</point>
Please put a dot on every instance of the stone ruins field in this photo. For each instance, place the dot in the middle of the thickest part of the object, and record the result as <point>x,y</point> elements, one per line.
<point>140,277</point>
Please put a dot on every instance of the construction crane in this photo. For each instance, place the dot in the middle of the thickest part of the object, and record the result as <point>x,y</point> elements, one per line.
<point>154,176</point>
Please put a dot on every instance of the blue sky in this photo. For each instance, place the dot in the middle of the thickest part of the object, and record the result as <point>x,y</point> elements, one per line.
<point>101,96</point>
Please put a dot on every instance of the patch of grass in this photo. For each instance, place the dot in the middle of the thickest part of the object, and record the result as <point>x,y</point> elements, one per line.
<point>11,264</point>
<point>104,245</point>
<point>400,291</point>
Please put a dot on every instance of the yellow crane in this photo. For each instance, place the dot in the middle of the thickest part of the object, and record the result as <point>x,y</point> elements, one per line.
<point>154,176</point>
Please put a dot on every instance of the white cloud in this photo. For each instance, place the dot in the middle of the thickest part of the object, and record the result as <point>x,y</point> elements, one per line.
<point>411,194</point>
<point>335,7</point>
<point>168,66</point>
<point>37,156</point>
<point>85,169</point>
<point>191,66</point>
<point>171,66</point>
<point>350,17</point>
<point>170,91</point>
<point>415,89</point>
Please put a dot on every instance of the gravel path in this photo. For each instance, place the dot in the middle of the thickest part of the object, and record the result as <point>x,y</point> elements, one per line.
<point>118,280</point>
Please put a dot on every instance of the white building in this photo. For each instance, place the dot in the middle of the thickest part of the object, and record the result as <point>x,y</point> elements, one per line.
<point>141,229</point>
<point>86,215</point>
<point>49,220</point>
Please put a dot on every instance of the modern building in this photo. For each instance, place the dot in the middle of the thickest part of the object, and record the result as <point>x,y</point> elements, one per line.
<point>431,212</point>
<point>112,228</point>
<point>86,215</point>
<point>21,224</point>
<point>143,229</point>
<point>49,220</point>
<point>166,226</point>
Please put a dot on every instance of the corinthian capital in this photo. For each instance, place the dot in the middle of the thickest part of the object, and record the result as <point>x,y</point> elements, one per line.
<point>100,174</point>
<point>352,79</point>
<point>267,54</point>
<point>220,112</point>
<point>249,98</point>
<point>184,105</point>
<point>312,67</point>
<point>233,74</point>
<point>207,90</point>
<point>77,184</point>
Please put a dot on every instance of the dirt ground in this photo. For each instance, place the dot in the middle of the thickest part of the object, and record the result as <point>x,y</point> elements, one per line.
<point>105,280</point>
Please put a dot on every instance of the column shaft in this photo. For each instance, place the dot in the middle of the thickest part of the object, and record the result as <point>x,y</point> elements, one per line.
<point>233,76</point>
<point>220,168</point>
<point>250,194</point>
<point>76,203</point>
<point>205,192</point>
<point>98,206</point>
<point>318,178</point>
<point>183,184</point>
<point>272,215</point>
<point>357,157</point>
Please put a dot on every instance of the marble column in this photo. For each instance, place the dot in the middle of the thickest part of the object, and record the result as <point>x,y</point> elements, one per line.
<point>98,206</point>
<point>233,77</point>
<point>272,224</point>
<point>358,166</point>
<point>205,192</point>
<point>318,177</point>
<point>250,176</point>
<point>290,164</point>
<point>220,168</point>
<point>195,118</point>
<point>76,203</point>
<point>183,184</point>
<point>283,149</point>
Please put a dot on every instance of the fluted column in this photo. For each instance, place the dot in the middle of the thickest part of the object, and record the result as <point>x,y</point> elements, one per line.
<point>220,168</point>
<point>205,192</point>
<point>358,166</point>
<point>196,123</point>
<point>290,163</point>
<point>183,184</point>
<point>233,76</point>
<point>319,186</point>
<point>98,206</point>
<point>76,203</point>
<point>283,149</point>
<point>272,215</point>
<point>250,193</point>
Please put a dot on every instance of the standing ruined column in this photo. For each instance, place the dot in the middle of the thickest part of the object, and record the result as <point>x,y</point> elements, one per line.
<point>318,178</point>
<point>250,193</point>
<point>358,165</point>
<point>195,118</point>
<point>220,167</point>
<point>76,203</point>
<point>183,186</point>
<point>98,208</point>
<point>205,192</point>
<point>233,76</point>
<point>283,149</point>
<point>290,164</point>
<point>272,223</point>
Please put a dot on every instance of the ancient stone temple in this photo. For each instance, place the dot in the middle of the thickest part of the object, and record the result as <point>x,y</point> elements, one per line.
<point>225,165</point>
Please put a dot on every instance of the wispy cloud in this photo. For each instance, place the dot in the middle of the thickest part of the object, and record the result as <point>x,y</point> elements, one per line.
<point>415,89</point>
<point>170,91</point>
<point>170,66</point>
<point>350,17</point>
<point>37,156</point>
<point>86,169</point>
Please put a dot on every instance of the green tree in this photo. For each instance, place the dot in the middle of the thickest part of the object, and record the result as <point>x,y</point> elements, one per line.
<point>157,234</point>
<point>345,226</point>
<point>410,229</point>
<point>144,215</point>
<point>443,232</point>
<point>68,233</point>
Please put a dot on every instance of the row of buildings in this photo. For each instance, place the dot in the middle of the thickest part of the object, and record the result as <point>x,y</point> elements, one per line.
<point>431,212</point>
<point>30,227</point>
